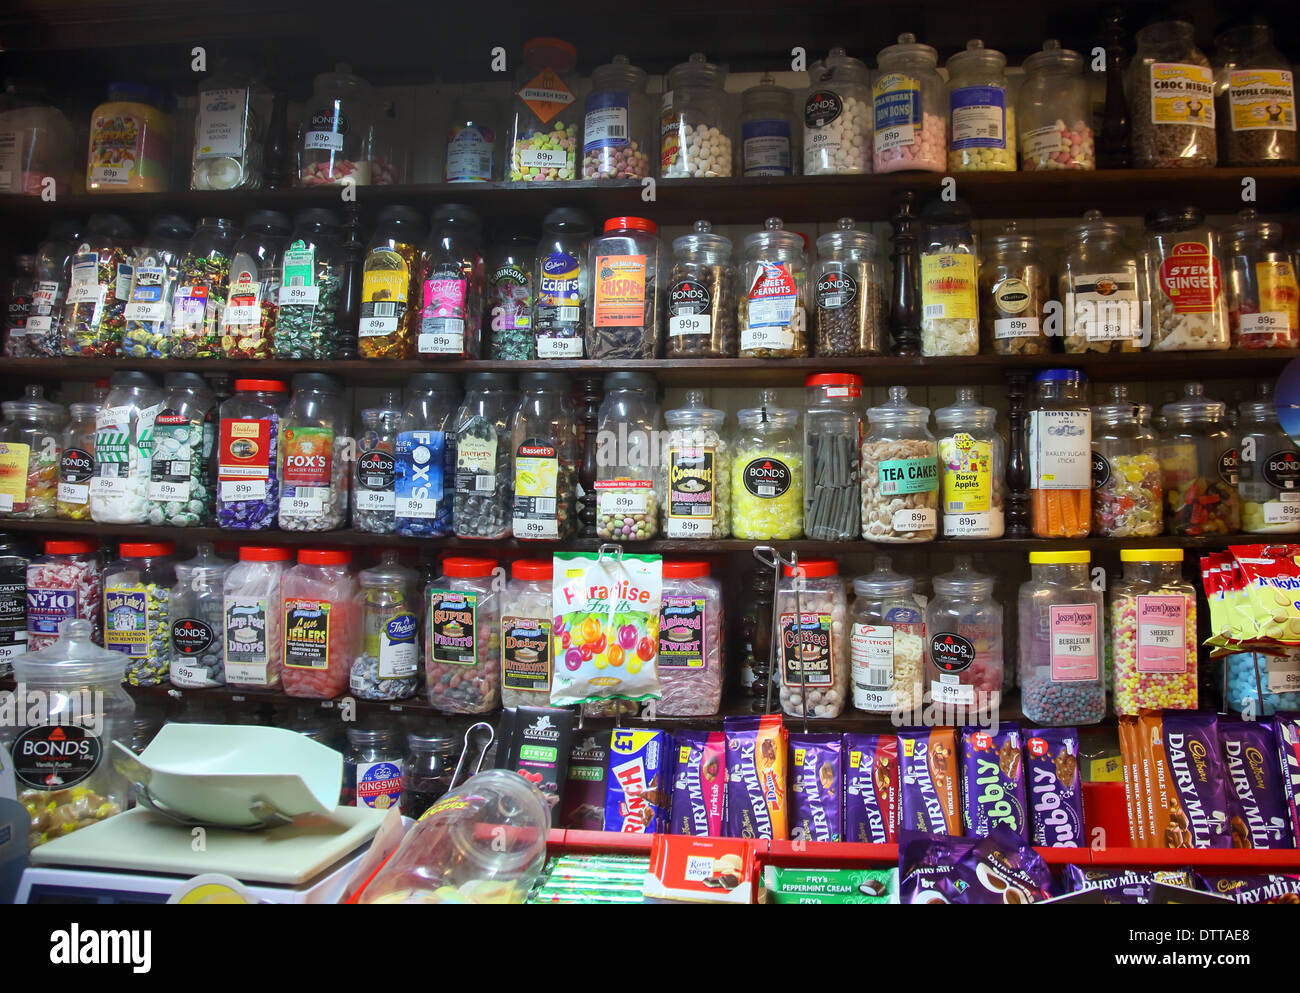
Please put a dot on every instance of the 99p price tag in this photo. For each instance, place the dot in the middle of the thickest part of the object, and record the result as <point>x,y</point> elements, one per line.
<point>682,325</point>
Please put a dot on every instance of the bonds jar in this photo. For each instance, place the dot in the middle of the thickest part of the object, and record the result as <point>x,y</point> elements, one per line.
<point>1199,466</point>
<point>813,647</point>
<point>1188,309</point>
<point>337,130</point>
<point>690,660</point>
<point>1127,494</point>
<point>832,434</point>
<point>900,472</point>
<point>544,455</point>
<point>972,460</point>
<point>1054,112</point>
<point>1269,469</point>
<point>1015,290</point>
<point>694,126</point>
<point>963,627</point>
<point>849,288</point>
<point>949,281</point>
<point>390,285</point>
<point>545,118</point>
<point>462,637</point>
<point>696,484</point>
<point>911,109</point>
<point>389,608</point>
<point>196,610</point>
<point>616,123</point>
<point>768,130</point>
<point>1102,288</point>
<point>1262,295</point>
<point>77,463</point>
<point>886,642</point>
<point>627,496</point>
<point>837,118</point>
<point>526,616</point>
<point>1153,632</point>
<point>767,473</point>
<point>773,312</point>
<point>374,502</point>
<point>1061,641</point>
<point>981,121</point>
<point>1059,455</point>
<point>703,294</point>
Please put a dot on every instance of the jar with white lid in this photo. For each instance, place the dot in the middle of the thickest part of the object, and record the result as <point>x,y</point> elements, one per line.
<point>963,627</point>
<point>1268,479</point>
<point>695,131</point>
<point>1260,284</point>
<point>1062,617</point>
<point>886,641</point>
<point>527,663</point>
<point>696,486</point>
<point>690,660</point>
<point>900,472</point>
<point>837,118</point>
<point>814,663</point>
<point>1102,287</point>
<point>911,109</point>
<point>773,310</point>
<point>981,121</point>
<point>949,281</point>
<point>1054,112</point>
<point>972,464</point>
<point>1189,311</point>
<point>849,289</point>
<point>768,130</point>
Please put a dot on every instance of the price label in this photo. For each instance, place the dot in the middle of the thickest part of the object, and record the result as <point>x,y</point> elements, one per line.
<point>73,492</point>
<point>165,491</point>
<point>6,502</point>
<point>1015,327</point>
<point>102,486</point>
<point>956,693</point>
<point>242,489</point>
<point>966,525</point>
<point>1107,331</point>
<point>374,327</point>
<point>688,324</point>
<point>376,500</point>
<point>145,312</point>
<point>616,502</point>
<point>39,325</point>
<point>559,348</point>
<point>688,527</point>
<point>1281,512</point>
<point>299,296</point>
<point>242,313</point>
<point>421,507</point>
<point>441,343</point>
<point>543,158</point>
<point>304,506</point>
<point>525,528</point>
<point>915,519</point>
<point>84,293</point>
<point>1268,322</point>
<point>766,338</point>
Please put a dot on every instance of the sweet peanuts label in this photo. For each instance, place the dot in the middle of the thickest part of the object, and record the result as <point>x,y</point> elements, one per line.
<point>307,634</point>
<point>526,653</point>
<point>1182,94</point>
<point>452,625</point>
<point>948,287</point>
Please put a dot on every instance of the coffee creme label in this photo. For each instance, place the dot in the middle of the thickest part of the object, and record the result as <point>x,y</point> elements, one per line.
<point>806,650</point>
<point>526,654</point>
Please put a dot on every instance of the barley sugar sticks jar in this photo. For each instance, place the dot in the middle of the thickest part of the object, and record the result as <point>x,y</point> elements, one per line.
<point>1060,455</point>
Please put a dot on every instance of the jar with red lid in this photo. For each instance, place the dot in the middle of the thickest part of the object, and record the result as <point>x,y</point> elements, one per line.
<point>137,617</point>
<point>253,622</point>
<point>811,605</point>
<point>832,432</point>
<point>526,659</point>
<point>322,623</point>
<point>545,116</point>
<point>248,486</point>
<point>462,636</point>
<point>690,640</point>
<point>626,302</point>
<point>62,585</point>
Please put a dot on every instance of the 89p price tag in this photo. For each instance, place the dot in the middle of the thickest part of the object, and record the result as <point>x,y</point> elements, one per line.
<point>299,296</point>
<point>243,489</point>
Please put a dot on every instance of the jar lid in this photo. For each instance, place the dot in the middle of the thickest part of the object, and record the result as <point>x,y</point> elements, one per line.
<point>882,581</point>
<point>467,567</point>
<point>774,235</point>
<point>567,220</point>
<point>975,57</point>
<point>848,383</point>
<point>146,549</point>
<point>696,70</point>
<point>84,409</point>
<point>269,222</point>
<point>260,386</point>
<point>694,412</point>
<point>67,547</point>
<point>204,565</point>
<point>1195,406</point>
<point>324,556</point>
<point>907,47</point>
<point>1060,558</point>
<point>74,656</point>
<point>963,580</point>
<point>553,381</point>
<point>965,411</point>
<point>631,224</point>
<point>318,381</point>
<point>618,73</point>
<point>190,381</point>
<point>768,413</point>
<point>33,405</point>
<point>317,217</point>
<point>358,737</point>
<point>550,53</point>
<point>1119,409</point>
<point>702,239</point>
<point>1012,238</point>
<point>388,572</point>
<point>432,382</point>
<point>264,553</point>
<point>839,64</point>
<point>456,215</point>
<point>847,235</point>
<point>686,569</point>
<point>138,380</point>
<point>1053,57</point>
<point>532,569</point>
<point>898,409</point>
<point>170,226</point>
<point>630,381</point>
<point>443,743</point>
<point>400,214</point>
<point>489,382</point>
<point>1251,225</point>
<point>341,77</point>
<point>1150,554</point>
<point>1074,377</point>
<point>813,568</point>
<point>1175,218</point>
<point>1095,225</point>
<point>110,226</point>
<point>765,85</point>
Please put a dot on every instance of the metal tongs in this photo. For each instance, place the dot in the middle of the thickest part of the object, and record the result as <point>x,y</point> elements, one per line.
<point>470,732</point>
<point>772,558</point>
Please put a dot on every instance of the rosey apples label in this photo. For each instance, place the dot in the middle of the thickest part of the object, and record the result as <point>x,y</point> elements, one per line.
<point>55,757</point>
<point>1190,278</point>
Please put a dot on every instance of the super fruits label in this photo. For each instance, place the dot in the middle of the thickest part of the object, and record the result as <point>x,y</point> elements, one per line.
<point>453,619</point>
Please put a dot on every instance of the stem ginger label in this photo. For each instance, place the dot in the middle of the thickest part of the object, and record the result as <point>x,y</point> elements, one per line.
<point>1190,278</point>
<point>1182,94</point>
<point>619,291</point>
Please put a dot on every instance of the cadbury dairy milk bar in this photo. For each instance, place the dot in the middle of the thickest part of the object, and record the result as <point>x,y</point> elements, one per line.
<point>992,781</point>
<point>1198,803</point>
<point>699,783</point>
<point>1257,816</point>
<point>636,790</point>
<point>1052,788</point>
<point>1263,888</point>
<point>1286,732</point>
<point>816,771</point>
<point>871,788</point>
<point>927,779</point>
<point>756,758</point>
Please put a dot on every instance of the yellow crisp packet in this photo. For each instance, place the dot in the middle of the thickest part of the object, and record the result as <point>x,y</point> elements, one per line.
<point>1267,613</point>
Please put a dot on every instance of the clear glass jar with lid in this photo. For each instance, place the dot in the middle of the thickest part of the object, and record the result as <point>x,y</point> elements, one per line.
<point>50,288</point>
<point>911,109</point>
<point>99,285</point>
<point>812,610</point>
<point>544,458</point>
<point>545,116</point>
<point>696,483</point>
<point>616,123</point>
<point>449,322</point>
<point>773,313</point>
<point>389,607</point>
<point>1255,98</point>
<point>230,127</point>
<point>769,130</point>
<point>849,285</point>
<point>14,560</point>
<point>695,129</point>
<point>526,615</point>
<point>1015,289</point>
<point>484,485</point>
<point>424,456</point>
<point>252,298</point>
<point>949,281</point>
<point>81,787</point>
<point>1054,112</point>
<point>1062,643</point>
<point>322,629</point>
<point>1189,311</point>
<point>390,285</point>
<point>119,491</point>
<point>963,628</point>
<point>561,285</point>
<point>831,432</point>
<point>38,139</point>
<point>154,278</point>
<point>196,608</point>
<point>1262,295</point>
<point>137,615</point>
<point>30,450</point>
<point>462,637</point>
<point>199,301</point>
<point>1127,494</point>
<point>1153,632</point>
<point>838,118</point>
<point>180,475</point>
<point>472,154</point>
<point>427,771</point>
<point>510,291</point>
<point>334,145</point>
<point>1269,468</point>
<point>18,305</point>
<point>374,502</point>
<point>703,293</point>
<point>627,477</point>
<point>1059,455</point>
<point>307,323</point>
<point>886,642</point>
<point>626,294</point>
<point>1102,288</point>
<point>972,463</point>
<point>248,455</point>
<point>900,472</point>
<point>1171,98</point>
<point>981,120</point>
<point>313,460</point>
<point>1199,466</point>
<point>76,463</point>
<point>372,769</point>
<point>767,472</point>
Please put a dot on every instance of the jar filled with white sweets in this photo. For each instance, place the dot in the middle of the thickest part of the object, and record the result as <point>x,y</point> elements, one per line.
<point>814,659</point>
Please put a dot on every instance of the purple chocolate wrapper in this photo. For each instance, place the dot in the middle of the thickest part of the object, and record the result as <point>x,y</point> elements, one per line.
<point>993,781</point>
<point>1286,732</point>
<point>816,771</point>
<point>748,812</point>
<point>1264,888</point>
<point>999,869</point>
<point>1124,886</point>
<point>870,788</point>
<point>928,866</point>
<point>1053,789</point>
<point>927,803</point>
<point>1195,757</point>
<point>699,784</point>
<point>637,788</point>
<point>1257,814</point>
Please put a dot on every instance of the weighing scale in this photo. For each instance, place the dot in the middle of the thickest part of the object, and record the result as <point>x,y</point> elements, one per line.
<point>142,857</point>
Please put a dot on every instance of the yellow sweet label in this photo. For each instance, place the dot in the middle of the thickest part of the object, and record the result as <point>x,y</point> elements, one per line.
<point>949,287</point>
<point>1106,770</point>
<point>967,474</point>
<point>1261,100</point>
<point>13,474</point>
<point>1182,94</point>
<point>378,285</point>
<point>1278,291</point>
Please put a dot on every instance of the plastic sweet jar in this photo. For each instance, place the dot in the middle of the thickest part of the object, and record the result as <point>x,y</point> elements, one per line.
<point>322,623</point>
<point>1153,632</point>
<point>137,612</point>
<point>313,459</point>
<point>837,118</point>
<point>374,471</point>
<point>196,607</point>
<point>1015,290</point>
<point>50,287</point>
<point>1059,455</point>
<point>911,109</point>
<point>832,433</point>
<point>61,765</point>
<point>886,642</point>
<point>389,284</point>
<point>1254,98</point>
<point>427,771</point>
<point>544,458</point>
<point>119,489</point>
<point>691,645</point>
<point>180,473</point>
<point>561,285</point>
<point>38,144</point>
<point>767,472</point>
<point>307,324</point>
<point>900,472</point>
<point>200,297</point>
<point>626,296</point>
<point>773,307</point>
<point>696,480</point>
<point>76,463</point>
<point>389,607</point>
<point>769,130</point>
<point>972,463</point>
<point>462,636</point>
<point>527,662</point>
<point>252,629</point>
<point>151,302</point>
<point>813,637</point>
<point>1101,287</point>
<point>63,584</point>
<point>981,120</point>
<point>452,280</point>
<point>1127,492</point>
<point>703,292</point>
<point>230,128</point>
<point>963,626</point>
<point>424,457</point>
<point>130,141</point>
<point>1268,479</point>
<point>1260,285</point>
<point>1062,619</point>
<point>336,131</point>
<point>473,155</point>
<point>1054,112</point>
<point>545,116</point>
<point>30,453</point>
<point>695,130</point>
<point>1170,87</point>
<point>628,499</point>
<point>1199,466</point>
<point>849,289</point>
<point>616,123</point>
<point>92,320</point>
<point>484,486</point>
<point>1189,309</point>
<point>949,281</point>
<point>248,455</point>
<point>510,290</point>
<point>253,296</point>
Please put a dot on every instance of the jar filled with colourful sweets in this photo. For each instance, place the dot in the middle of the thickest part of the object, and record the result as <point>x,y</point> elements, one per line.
<point>253,295</point>
<point>462,637</point>
<point>767,472</point>
<point>1260,284</point>
<point>1199,466</point>
<point>695,129</point>
<point>545,116</point>
<point>627,478</point>
<point>30,450</point>
<point>616,123</point>
<point>334,144</point>
<point>1054,112</point>
<point>972,464</point>
<point>1127,494</point>
<point>390,281</point>
<point>1062,625</point>
<point>322,623</point>
<point>155,274</point>
<point>201,285</point>
<point>137,616</point>
<point>1153,632</point>
<point>1268,479</point>
<point>50,288</point>
<point>981,120</point>
<point>76,463</point>
<point>98,288</point>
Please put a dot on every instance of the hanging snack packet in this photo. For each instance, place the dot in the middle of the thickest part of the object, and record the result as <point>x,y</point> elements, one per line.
<point>1269,606</point>
<point>699,783</point>
<point>816,772</point>
<point>871,788</point>
<point>606,626</point>
<point>756,756</point>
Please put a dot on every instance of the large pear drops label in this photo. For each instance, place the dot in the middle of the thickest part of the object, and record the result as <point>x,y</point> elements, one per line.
<point>55,757</point>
